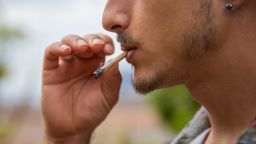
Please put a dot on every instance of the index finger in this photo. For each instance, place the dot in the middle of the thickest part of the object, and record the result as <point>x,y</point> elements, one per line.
<point>52,54</point>
<point>109,47</point>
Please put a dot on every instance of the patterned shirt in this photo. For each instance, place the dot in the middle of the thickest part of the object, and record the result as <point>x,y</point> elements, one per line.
<point>201,138</point>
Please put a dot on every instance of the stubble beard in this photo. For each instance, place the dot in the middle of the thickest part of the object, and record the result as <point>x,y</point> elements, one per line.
<point>201,36</point>
<point>197,40</point>
<point>144,85</point>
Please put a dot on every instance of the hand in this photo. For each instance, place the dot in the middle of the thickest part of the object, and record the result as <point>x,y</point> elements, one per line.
<point>74,103</point>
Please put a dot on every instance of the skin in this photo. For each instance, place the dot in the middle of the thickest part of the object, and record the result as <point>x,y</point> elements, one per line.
<point>197,43</point>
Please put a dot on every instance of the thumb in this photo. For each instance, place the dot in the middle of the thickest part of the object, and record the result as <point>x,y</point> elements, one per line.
<point>111,85</point>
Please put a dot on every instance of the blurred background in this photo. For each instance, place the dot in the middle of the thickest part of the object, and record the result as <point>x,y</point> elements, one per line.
<point>27,27</point>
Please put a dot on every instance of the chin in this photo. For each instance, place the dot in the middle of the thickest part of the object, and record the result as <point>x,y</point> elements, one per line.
<point>147,81</point>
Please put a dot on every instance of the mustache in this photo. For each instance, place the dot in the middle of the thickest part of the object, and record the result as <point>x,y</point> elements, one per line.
<point>125,38</point>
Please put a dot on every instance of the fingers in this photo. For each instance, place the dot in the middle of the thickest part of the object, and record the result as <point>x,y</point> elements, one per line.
<point>111,85</point>
<point>100,42</point>
<point>109,47</point>
<point>90,45</point>
<point>52,54</point>
<point>78,44</point>
<point>95,42</point>
<point>84,47</point>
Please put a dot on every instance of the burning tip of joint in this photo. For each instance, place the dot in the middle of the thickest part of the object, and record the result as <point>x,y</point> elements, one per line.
<point>98,73</point>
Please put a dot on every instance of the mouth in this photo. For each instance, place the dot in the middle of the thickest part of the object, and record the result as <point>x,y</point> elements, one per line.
<point>127,47</point>
<point>131,49</point>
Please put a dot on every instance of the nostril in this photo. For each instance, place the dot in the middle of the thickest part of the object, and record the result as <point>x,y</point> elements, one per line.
<point>114,27</point>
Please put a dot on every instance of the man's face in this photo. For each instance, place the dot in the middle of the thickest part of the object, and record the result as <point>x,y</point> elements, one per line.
<point>168,35</point>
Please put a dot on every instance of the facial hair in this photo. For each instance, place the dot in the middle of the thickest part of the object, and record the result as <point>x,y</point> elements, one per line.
<point>197,39</point>
<point>201,36</point>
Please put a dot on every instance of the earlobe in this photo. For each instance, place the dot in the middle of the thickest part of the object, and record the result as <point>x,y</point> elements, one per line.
<point>231,5</point>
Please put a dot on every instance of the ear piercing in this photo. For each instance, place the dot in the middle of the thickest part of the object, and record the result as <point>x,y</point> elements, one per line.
<point>229,5</point>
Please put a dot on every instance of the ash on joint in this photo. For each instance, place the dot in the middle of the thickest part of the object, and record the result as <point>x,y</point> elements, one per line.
<point>98,73</point>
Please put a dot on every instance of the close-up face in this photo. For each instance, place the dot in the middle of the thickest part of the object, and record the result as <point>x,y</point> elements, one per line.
<point>163,37</point>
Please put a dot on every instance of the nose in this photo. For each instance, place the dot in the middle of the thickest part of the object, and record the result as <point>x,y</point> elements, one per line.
<point>115,17</point>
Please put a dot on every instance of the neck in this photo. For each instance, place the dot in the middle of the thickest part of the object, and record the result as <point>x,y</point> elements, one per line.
<point>229,96</point>
<point>225,83</point>
<point>230,102</point>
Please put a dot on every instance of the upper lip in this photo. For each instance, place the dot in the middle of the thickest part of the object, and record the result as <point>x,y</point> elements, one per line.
<point>127,47</point>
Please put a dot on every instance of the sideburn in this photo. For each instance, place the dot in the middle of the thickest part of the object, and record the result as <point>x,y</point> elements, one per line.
<point>201,36</point>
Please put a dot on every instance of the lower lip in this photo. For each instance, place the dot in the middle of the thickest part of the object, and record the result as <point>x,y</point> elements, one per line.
<point>130,55</point>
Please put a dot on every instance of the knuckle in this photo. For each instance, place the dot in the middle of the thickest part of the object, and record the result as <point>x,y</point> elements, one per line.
<point>90,37</point>
<point>106,38</point>
<point>51,48</point>
<point>70,38</point>
<point>53,45</point>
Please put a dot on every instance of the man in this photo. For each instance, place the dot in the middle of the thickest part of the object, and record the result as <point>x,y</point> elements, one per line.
<point>208,45</point>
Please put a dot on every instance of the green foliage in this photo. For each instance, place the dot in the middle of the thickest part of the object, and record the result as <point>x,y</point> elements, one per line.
<point>7,33</point>
<point>174,105</point>
<point>5,131</point>
<point>124,139</point>
<point>3,71</point>
<point>127,139</point>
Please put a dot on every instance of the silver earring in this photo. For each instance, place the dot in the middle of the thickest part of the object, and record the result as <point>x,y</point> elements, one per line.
<point>229,6</point>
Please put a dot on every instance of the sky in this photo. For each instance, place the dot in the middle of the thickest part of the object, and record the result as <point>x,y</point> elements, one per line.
<point>45,22</point>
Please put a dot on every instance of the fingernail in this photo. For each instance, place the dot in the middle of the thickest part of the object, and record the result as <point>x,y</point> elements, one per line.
<point>63,46</point>
<point>108,49</point>
<point>81,42</point>
<point>98,42</point>
<point>68,58</point>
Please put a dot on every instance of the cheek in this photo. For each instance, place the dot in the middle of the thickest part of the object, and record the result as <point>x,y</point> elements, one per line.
<point>159,26</point>
<point>150,61</point>
<point>161,22</point>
